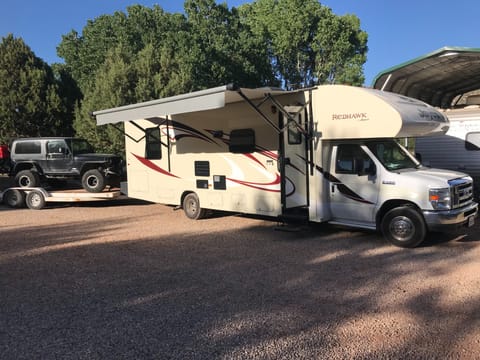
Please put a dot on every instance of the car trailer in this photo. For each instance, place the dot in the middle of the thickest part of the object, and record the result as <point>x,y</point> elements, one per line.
<point>36,197</point>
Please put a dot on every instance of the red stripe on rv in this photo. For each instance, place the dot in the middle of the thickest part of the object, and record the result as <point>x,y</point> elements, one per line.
<point>152,166</point>
<point>260,186</point>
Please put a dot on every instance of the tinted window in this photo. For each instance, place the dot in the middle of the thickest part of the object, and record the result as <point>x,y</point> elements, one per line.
<point>153,146</point>
<point>347,155</point>
<point>28,147</point>
<point>242,141</point>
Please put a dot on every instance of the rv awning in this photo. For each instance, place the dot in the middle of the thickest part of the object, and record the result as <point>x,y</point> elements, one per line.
<point>209,99</point>
<point>436,78</point>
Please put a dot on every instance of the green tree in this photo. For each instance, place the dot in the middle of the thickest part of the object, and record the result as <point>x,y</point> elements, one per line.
<point>114,86</point>
<point>30,104</point>
<point>307,43</point>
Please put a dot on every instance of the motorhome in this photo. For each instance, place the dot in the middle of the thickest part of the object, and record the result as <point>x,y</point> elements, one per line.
<point>324,154</point>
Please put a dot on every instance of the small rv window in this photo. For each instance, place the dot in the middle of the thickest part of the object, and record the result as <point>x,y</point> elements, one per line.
<point>472,141</point>
<point>294,134</point>
<point>153,147</point>
<point>242,141</point>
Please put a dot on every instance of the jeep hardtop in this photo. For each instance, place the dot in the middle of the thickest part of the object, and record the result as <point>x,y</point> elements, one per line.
<point>61,158</point>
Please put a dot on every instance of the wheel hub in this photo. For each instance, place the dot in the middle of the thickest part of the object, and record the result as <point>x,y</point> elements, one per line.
<point>402,228</point>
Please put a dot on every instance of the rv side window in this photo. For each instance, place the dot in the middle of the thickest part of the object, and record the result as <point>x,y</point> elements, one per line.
<point>242,141</point>
<point>153,147</point>
<point>347,155</point>
<point>472,141</point>
<point>294,134</point>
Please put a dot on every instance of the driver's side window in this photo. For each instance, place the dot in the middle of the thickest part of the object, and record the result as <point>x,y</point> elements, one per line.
<point>347,155</point>
<point>56,147</point>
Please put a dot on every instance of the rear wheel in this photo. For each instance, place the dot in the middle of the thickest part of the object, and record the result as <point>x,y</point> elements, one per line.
<point>14,198</point>
<point>93,181</point>
<point>35,200</point>
<point>27,178</point>
<point>404,226</point>
<point>191,207</point>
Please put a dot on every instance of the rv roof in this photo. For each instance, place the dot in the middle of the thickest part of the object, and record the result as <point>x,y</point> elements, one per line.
<point>208,99</point>
<point>435,78</point>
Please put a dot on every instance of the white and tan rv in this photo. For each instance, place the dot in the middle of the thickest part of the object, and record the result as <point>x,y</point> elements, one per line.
<point>326,154</point>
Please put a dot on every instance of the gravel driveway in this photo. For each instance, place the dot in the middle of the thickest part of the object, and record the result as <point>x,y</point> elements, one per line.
<point>133,280</point>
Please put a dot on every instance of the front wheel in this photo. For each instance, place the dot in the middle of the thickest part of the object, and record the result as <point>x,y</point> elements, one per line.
<point>404,226</point>
<point>35,200</point>
<point>93,181</point>
<point>191,207</point>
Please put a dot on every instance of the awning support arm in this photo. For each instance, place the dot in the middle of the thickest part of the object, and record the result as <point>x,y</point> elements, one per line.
<point>257,109</point>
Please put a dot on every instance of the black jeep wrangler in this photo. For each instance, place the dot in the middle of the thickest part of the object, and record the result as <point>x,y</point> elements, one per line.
<point>61,158</point>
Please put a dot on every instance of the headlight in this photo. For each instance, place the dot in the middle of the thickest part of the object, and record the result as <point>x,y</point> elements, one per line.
<point>440,198</point>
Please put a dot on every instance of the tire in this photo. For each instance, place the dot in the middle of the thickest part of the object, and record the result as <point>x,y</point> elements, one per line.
<point>27,178</point>
<point>191,207</point>
<point>14,198</point>
<point>35,200</point>
<point>93,181</point>
<point>404,227</point>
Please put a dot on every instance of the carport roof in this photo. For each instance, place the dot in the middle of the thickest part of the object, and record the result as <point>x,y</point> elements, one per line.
<point>435,78</point>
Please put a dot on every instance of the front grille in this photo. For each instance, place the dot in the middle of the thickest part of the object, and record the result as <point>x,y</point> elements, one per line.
<point>462,192</point>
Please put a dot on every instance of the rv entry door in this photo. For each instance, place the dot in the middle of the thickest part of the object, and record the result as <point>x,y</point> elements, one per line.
<point>293,160</point>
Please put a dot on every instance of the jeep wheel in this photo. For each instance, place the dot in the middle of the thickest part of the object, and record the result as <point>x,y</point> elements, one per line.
<point>27,178</point>
<point>93,181</point>
<point>14,198</point>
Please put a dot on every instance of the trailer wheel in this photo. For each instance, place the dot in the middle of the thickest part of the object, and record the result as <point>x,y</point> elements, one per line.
<point>27,178</point>
<point>14,198</point>
<point>35,200</point>
<point>191,207</point>
<point>93,181</point>
<point>404,226</point>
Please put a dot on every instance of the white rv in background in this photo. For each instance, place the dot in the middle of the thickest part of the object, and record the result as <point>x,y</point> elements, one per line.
<point>459,148</point>
<point>326,154</point>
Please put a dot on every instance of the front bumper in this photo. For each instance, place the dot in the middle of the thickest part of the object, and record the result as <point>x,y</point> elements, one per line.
<point>440,220</point>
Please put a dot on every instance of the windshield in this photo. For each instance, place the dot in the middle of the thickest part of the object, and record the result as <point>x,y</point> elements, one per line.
<point>80,146</point>
<point>392,155</point>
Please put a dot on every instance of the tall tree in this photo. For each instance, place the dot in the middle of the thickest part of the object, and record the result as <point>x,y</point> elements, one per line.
<point>307,43</point>
<point>30,104</point>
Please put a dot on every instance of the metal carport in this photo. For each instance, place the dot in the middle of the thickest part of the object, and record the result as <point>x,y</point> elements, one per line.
<point>436,78</point>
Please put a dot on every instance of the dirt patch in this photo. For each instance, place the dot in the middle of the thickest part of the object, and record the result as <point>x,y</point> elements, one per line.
<point>130,279</point>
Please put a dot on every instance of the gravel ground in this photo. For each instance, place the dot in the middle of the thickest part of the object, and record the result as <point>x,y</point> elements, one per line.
<point>133,280</point>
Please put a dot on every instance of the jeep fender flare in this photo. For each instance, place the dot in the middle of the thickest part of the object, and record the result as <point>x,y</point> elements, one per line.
<point>27,165</point>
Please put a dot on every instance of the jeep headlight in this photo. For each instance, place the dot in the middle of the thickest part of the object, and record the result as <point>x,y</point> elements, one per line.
<point>440,198</point>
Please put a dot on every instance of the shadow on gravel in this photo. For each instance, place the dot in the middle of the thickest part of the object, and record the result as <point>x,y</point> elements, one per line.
<point>247,293</point>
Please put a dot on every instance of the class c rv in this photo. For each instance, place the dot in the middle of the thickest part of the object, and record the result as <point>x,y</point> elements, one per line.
<point>324,154</point>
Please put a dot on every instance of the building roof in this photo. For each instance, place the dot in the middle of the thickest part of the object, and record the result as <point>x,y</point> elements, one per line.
<point>436,78</point>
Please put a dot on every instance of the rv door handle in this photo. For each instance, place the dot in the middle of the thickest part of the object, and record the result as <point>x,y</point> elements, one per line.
<point>286,161</point>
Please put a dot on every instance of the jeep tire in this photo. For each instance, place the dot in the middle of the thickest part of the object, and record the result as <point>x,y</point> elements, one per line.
<point>27,178</point>
<point>93,181</point>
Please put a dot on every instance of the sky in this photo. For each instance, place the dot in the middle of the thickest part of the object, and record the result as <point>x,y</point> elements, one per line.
<point>398,31</point>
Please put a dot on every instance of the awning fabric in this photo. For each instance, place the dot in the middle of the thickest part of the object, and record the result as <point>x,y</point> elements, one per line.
<point>435,78</point>
<point>208,99</point>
